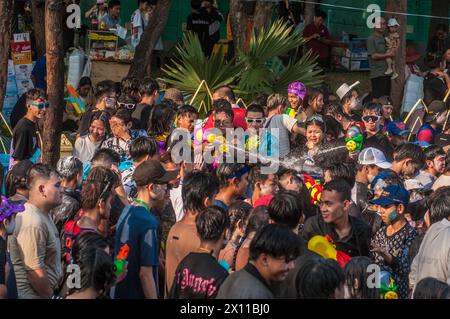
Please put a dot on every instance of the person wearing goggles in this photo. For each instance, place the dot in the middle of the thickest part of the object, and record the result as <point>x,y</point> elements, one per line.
<point>25,135</point>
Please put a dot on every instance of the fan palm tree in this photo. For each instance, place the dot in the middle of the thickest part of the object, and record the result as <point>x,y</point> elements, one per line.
<point>258,70</point>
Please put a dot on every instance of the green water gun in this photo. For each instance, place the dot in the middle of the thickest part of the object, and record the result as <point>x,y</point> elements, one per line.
<point>354,139</point>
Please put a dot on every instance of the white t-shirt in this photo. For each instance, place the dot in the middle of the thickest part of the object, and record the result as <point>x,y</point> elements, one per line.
<point>140,21</point>
<point>85,149</point>
<point>284,123</point>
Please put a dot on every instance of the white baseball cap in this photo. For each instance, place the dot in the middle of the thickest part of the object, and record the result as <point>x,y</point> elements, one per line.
<point>345,88</point>
<point>373,156</point>
<point>393,22</point>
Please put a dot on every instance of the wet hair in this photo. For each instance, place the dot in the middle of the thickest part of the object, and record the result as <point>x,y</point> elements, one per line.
<point>285,209</point>
<point>255,175</point>
<point>340,186</point>
<point>161,119</point>
<point>238,211</point>
<point>318,278</point>
<point>39,171</point>
<point>255,108</point>
<point>439,206</point>
<point>275,100</point>
<point>316,120</point>
<point>85,80</point>
<point>99,185</point>
<point>410,151</point>
<point>123,115</point>
<point>148,86</point>
<point>187,110</point>
<point>35,94</point>
<point>312,94</point>
<point>276,241</point>
<point>196,187</point>
<point>103,155</point>
<point>95,264</point>
<point>69,167</point>
<point>142,146</point>
<point>211,223</point>
<point>431,288</point>
<point>342,170</point>
<point>225,170</point>
<point>373,106</point>
<point>333,126</point>
<point>226,91</point>
<point>355,271</point>
<point>16,178</point>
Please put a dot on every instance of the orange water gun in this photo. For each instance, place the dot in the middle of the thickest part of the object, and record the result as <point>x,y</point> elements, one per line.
<point>314,187</point>
<point>75,100</point>
<point>121,259</point>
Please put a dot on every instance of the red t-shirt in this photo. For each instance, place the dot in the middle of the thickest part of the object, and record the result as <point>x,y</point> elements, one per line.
<point>321,49</point>
<point>239,119</point>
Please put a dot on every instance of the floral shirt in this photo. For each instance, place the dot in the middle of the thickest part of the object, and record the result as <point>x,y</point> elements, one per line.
<point>398,246</point>
<point>121,146</point>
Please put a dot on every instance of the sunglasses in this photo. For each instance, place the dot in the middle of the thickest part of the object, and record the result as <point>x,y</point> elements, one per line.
<point>128,106</point>
<point>371,118</point>
<point>222,123</point>
<point>257,121</point>
<point>41,106</point>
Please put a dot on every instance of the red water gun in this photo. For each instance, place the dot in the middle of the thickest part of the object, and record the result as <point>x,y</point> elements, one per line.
<point>314,187</point>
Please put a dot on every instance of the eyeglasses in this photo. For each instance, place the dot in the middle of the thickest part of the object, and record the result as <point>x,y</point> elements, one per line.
<point>128,106</point>
<point>41,106</point>
<point>371,118</point>
<point>316,118</point>
<point>257,121</point>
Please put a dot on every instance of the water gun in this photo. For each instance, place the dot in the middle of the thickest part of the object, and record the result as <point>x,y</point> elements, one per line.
<point>354,139</point>
<point>314,187</point>
<point>291,112</point>
<point>323,246</point>
<point>121,259</point>
<point>75,100</point>
<point>205,136</point>
<point>388,288</point>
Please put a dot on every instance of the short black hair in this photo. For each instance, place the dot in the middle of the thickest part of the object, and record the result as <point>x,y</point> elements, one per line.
<point>347,97</point>
<point>220,104</point>
<point>103,89</point>
<point>129,85</point>
<point>148,86</point>
<point>122,114</point>
<point>432,152</point>
<point>255,108</point>
<point>106,154</point>
<point>225,110</point>
<point>113,3</point>
<point>255,175</point>
<point>142,146</point>
<point>340,186</point>
<point>342,170</point>
<point>321,14</point>
<point>439,206</point>
<point>435,63</point>
<point>318,278</point>
<point>285,208</point>
<point>410,151</point>
<point>211,223</point>
<point>373,106</point>
<point>447,161</point>
<point>225,170</point>
<point>276,241</point>
<point>196,4</point>
<point>40,171</point>
<point>333,126</point>
<point>35,94</point>
<point>196,187</point>
<point>187,110</point>
<point>431,288</point>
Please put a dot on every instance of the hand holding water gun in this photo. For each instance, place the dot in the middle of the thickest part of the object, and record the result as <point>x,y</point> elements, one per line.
<point>121,260</point>
<point>354,139</point>
<point>323,245</point>
<point>207,136</point>
<point>75,100</point>
<point>314,187</point>
<point>388,288</point>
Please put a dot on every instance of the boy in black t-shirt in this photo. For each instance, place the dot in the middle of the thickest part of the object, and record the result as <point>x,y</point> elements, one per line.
<point>25,138</point>
<point>202,265</point>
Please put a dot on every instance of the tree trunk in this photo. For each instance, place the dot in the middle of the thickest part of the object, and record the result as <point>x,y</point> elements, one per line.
<point>399,83</point>
<point>439,8</point>
<point>54,13</point>
<point>38,16</point>
<point>310,10</point>
<point>5,43</point>
<point>238,20</point>
<point>141,65</point>
<point>263,15</point>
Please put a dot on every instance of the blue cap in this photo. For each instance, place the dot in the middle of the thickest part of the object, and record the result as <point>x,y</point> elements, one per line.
<point>397,128</point>
<point>392,194</point>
